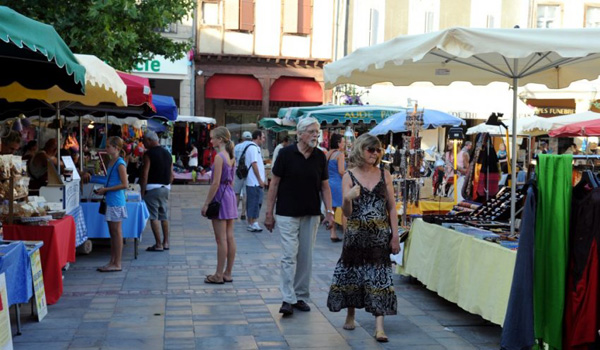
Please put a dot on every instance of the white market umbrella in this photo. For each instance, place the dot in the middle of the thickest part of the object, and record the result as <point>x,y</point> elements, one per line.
<point>553,57</point>
<point>541,126</point>
<point>195,119</point>
<point>499,130</point>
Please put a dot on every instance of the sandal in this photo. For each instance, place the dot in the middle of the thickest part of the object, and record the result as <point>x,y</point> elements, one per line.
<point>154,248</point>
<point>381,337</point>
<point>210,280</point>
<point>108,269</point>
<point>335,239</point>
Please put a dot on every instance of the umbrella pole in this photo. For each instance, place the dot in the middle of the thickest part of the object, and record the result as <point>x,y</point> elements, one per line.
<point>58,136</point>
<point>80,145</point>
<point>106,125</point>
<point>513,170</point>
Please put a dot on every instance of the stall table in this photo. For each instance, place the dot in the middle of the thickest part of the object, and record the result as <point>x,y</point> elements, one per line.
<point>58,250</point>
<point>473,273</point>
<point>132,227</point>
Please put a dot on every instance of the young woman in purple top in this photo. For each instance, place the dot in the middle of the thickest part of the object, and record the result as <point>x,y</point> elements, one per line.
<point>221,190</point>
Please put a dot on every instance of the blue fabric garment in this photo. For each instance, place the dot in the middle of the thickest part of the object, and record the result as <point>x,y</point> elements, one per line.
<point>113,198</point>
<point>80,227</point>
<point>16,266</point>
<point>517,332</point>
<point>335,182</point>
<point>132,227</point>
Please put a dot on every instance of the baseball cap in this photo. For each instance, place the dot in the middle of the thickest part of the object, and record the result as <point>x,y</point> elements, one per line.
<point>247,135</point>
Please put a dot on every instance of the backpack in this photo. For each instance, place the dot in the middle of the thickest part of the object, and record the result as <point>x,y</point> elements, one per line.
<point>242,169</point>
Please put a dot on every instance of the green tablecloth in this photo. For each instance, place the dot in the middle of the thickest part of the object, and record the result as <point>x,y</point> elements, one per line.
<point>473,273</point>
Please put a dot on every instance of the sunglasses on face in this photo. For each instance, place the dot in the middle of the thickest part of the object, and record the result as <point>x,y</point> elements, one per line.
<point>373,150</point>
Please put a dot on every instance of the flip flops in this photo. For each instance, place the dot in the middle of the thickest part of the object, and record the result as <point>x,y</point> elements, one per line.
<point>108,269</point>
<point>210,279</point>
<point>153,248</point>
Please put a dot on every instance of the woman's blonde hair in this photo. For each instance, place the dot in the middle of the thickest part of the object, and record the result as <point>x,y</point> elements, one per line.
<point>356,157</point>
<point>116,142</point>
<point>224,135</point>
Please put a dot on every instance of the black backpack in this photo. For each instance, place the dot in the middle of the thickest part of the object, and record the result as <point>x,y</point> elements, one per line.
<point>242,169</point>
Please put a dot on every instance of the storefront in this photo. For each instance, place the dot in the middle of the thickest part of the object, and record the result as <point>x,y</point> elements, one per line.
<point>170,79</point>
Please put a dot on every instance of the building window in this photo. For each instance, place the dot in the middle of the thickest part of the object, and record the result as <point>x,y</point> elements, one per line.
<point>592,17</point>
<point>210,13</point>
<point>171,28</point>
<point>239,15</point>
<point>297,17</point>
<point>429,16</point>
<point>548,16</point>
<point>489,21</point>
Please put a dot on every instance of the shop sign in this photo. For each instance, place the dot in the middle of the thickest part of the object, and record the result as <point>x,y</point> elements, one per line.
<point>38,286</point>
<point>368,114</point>
<point>5,332</point>
<point>554,110</point>
<point>160,65</point>
<point>463,115</point>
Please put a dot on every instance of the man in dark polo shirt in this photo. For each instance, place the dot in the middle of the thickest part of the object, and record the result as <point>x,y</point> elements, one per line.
<point>299,183</point>
<point>155,183</point>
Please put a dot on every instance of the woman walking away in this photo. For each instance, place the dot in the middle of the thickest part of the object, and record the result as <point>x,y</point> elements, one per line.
<point>363,275</point>
<point>336,165</point>
<point>221,190</point>
<point>115,184</point>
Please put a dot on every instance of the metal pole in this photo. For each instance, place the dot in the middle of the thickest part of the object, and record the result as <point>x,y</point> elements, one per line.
<point>58,136</point>
<point>513,170</point>
<point>455,174</point>
<point>80,145</point>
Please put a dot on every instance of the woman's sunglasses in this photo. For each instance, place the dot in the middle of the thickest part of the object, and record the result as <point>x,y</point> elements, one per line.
<point>373,150</point>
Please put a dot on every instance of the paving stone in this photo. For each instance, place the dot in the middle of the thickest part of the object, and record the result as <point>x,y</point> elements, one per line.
<point>160,300</point>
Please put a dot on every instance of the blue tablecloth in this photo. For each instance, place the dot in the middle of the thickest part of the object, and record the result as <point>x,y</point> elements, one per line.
<point>133,226</point>
<point>15,263</point>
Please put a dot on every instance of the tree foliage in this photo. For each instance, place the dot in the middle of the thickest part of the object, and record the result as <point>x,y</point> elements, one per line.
<point>121,32</point>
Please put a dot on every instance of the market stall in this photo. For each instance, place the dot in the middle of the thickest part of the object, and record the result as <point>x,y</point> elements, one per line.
<point>58,250</point>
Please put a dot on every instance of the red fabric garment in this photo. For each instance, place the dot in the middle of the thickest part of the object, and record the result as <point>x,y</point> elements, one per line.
<point>208,157</point>
<point>581,319</point>
<point>58,249</point>
<point>494,178</point>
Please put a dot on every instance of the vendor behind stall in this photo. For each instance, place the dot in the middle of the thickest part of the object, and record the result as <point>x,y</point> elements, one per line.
<point>11,143</point>
<point>37,167</point>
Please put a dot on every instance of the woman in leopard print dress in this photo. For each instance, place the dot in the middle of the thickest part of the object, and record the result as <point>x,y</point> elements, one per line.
<point>363,275</point>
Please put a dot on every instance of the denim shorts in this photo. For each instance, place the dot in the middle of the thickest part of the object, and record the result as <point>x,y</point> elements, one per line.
<point>254,201</point>
<point>238,184</point>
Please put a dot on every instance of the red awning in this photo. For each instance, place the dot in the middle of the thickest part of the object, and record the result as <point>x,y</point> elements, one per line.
<point>296,89</point>
<point>138,90</point>
<point>233,87</point>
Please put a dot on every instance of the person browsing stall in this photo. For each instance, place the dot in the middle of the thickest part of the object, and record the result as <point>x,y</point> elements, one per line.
<point>115,185</point>
<point>11,143</point>
<point>155,182</point>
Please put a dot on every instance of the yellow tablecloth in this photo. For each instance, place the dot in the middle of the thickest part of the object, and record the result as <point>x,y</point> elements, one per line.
<point>425,206</point>
<point>473,273</point>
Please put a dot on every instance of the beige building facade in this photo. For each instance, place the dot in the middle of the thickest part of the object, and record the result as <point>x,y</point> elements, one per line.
<point>256,56</point>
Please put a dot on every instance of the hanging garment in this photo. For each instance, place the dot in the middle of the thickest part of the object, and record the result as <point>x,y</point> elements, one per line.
<point>517,331</point>
<point>581,317</point>
<point>551,246</point>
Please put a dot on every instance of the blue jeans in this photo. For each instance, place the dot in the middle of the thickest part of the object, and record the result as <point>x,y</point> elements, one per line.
<point>254,201</point>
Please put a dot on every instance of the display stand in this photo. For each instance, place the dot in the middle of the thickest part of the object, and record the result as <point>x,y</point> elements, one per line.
<point>411,158</point>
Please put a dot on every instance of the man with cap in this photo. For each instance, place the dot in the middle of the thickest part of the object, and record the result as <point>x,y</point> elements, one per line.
<point>239,185</point>
<point>155,182</point>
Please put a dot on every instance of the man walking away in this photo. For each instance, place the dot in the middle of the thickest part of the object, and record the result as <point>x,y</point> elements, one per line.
<point>156,180</point>
<point>239,185</point>
<point>299,183</point>
<point>255,182</point>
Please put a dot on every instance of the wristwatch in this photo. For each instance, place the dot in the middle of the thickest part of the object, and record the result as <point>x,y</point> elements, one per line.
<point>330,212</point>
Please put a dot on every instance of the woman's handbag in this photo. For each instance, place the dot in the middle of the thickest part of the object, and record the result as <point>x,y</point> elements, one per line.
<point>212,212</point>
<point>102,208</point>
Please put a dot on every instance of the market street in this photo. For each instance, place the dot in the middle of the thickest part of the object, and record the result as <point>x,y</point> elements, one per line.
<point>160,301</point>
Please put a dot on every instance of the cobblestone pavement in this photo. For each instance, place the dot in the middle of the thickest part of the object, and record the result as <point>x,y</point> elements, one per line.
<point>159,301</point>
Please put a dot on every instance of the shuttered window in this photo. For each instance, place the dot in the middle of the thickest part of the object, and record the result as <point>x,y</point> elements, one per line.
<point>247,15</point>
<point>304,16</point>
<point>297,16</point>
<point>239,15</point>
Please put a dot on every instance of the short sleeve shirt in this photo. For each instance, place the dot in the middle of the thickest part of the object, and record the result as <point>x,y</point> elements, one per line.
<point>299,191</point>
<point>253,155</point>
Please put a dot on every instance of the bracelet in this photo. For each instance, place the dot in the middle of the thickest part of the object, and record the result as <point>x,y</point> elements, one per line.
<point>330,211</point>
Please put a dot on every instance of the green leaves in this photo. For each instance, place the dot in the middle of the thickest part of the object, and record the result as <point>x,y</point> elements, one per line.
<point>120,32</point>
